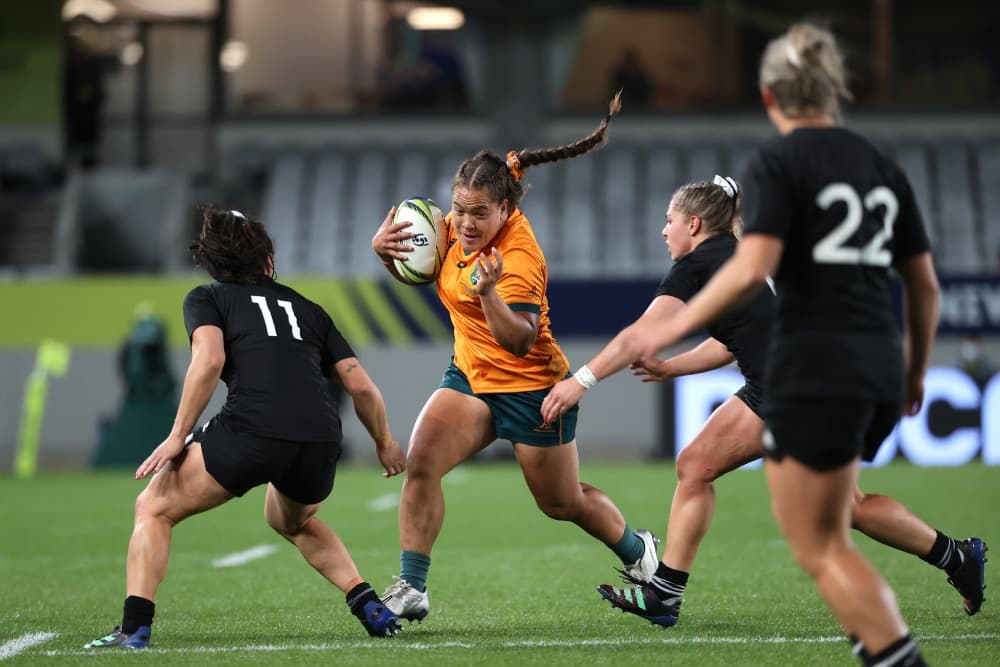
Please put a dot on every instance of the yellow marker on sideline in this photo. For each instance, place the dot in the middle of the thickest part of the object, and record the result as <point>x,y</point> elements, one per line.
<point>52,360</point>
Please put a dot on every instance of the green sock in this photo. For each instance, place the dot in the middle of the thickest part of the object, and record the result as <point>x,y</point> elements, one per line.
<point>413,568</point>
<point>629,548</point>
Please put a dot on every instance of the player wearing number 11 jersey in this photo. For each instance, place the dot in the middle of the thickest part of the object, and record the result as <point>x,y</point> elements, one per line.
<point>276,352</point>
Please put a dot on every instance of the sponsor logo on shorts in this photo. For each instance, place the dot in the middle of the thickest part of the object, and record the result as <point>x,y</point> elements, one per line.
<point>544,428</point>
<point>768,440</point>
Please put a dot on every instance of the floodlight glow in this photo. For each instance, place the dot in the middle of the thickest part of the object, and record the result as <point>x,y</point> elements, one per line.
<point>233,56</point>
<point>435,18</point>
<point>175,7</point>
<point>130,54</point>
<point>101,11</point>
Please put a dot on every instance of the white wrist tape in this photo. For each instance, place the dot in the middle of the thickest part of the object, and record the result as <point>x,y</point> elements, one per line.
<point>585,377</point>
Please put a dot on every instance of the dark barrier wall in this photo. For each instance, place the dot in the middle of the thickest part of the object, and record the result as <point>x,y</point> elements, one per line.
<point>970,305</point>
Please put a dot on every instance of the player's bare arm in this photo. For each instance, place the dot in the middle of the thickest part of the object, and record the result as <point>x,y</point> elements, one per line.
<point>920,316</point>
<point>369,405</point>
<point>707,356</point>
<point>208,356</point>
<point>514,331</point>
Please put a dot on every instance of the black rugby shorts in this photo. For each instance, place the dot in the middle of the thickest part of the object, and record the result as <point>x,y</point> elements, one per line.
<point>827,433</point>
<point>750,393</point>
<point>303,471</point>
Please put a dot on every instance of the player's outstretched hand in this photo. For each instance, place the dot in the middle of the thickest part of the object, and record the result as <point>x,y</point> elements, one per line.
<point>561,398</point>
<point>167,451</point>
<point>651,369</point>
<point>392,458</point>
<point>914,395</point>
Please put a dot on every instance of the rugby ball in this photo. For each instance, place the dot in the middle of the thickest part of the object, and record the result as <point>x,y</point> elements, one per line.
<point>429,243</point>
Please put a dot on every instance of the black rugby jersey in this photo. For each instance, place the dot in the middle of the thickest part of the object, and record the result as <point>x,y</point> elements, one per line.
<point>745,330</point>
<point>280,348</point>
<point>846,213</point>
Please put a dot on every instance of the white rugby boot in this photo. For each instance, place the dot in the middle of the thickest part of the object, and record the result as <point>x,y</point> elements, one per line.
<point>642,571</point>
<point>407,602</point>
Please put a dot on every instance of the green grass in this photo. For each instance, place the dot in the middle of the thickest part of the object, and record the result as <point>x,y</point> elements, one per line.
<point>508,586</point>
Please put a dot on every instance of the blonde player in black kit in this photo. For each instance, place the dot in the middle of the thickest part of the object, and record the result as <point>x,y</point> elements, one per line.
<point>702,221</point>
<point>276,351</point>
<point>827,215</point>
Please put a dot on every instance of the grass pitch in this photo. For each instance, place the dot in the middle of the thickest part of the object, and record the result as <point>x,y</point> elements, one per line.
<point>507,585</point>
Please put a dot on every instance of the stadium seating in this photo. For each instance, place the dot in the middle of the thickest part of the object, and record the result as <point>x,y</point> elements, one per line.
<point>597,216</point>
<point>600,215</point>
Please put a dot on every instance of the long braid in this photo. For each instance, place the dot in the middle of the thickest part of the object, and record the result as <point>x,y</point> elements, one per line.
<point>529,158</point>
<point>502,177</point>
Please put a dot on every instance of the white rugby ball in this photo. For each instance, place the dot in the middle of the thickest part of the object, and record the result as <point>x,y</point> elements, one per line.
<point>429,243</point>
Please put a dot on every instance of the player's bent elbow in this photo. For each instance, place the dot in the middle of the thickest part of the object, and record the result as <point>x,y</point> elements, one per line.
<point>635,344</point>
<point>210,362</point>
<point>364,393</point>
<point>925,286</point>
<point>518,349</point>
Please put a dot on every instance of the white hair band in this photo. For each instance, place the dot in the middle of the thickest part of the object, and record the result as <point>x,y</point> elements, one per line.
<point>792,55</point>
<point>237,214</point>
<point>727,184</point>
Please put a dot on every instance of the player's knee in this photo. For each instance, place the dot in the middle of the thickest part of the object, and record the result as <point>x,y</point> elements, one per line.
<point>422,468</point>
<point>283,527</point>
<point>810,560</point>
<point>146,505</point>
<point>858,501</point>
<point>693,466</point>
<point>560,509</point>
<point>287,527</point>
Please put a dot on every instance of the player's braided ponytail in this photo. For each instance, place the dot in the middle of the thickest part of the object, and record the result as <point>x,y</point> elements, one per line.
<point>501,177</point>
<point>232,248</point>
<point>528,158</point>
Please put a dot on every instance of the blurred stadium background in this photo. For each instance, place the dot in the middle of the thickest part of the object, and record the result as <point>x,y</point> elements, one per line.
<point>121,117</point>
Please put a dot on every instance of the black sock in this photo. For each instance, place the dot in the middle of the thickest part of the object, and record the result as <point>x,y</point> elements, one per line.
<point>668,584</point>
<point>670,574</point>
<point>945,554</point>
<point>901,653</point>
<point>138,612</point>
<point>358,597</point>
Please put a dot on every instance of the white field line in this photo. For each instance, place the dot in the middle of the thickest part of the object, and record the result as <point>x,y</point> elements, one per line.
<point>384,503</point>
<point>20,644</point>
<point>541,643</point>
<point>456,476</point>
<point>244,557</point>
<point>391,500</point>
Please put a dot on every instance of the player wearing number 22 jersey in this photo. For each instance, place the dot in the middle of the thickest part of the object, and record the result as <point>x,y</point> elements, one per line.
<point>844,220</point>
